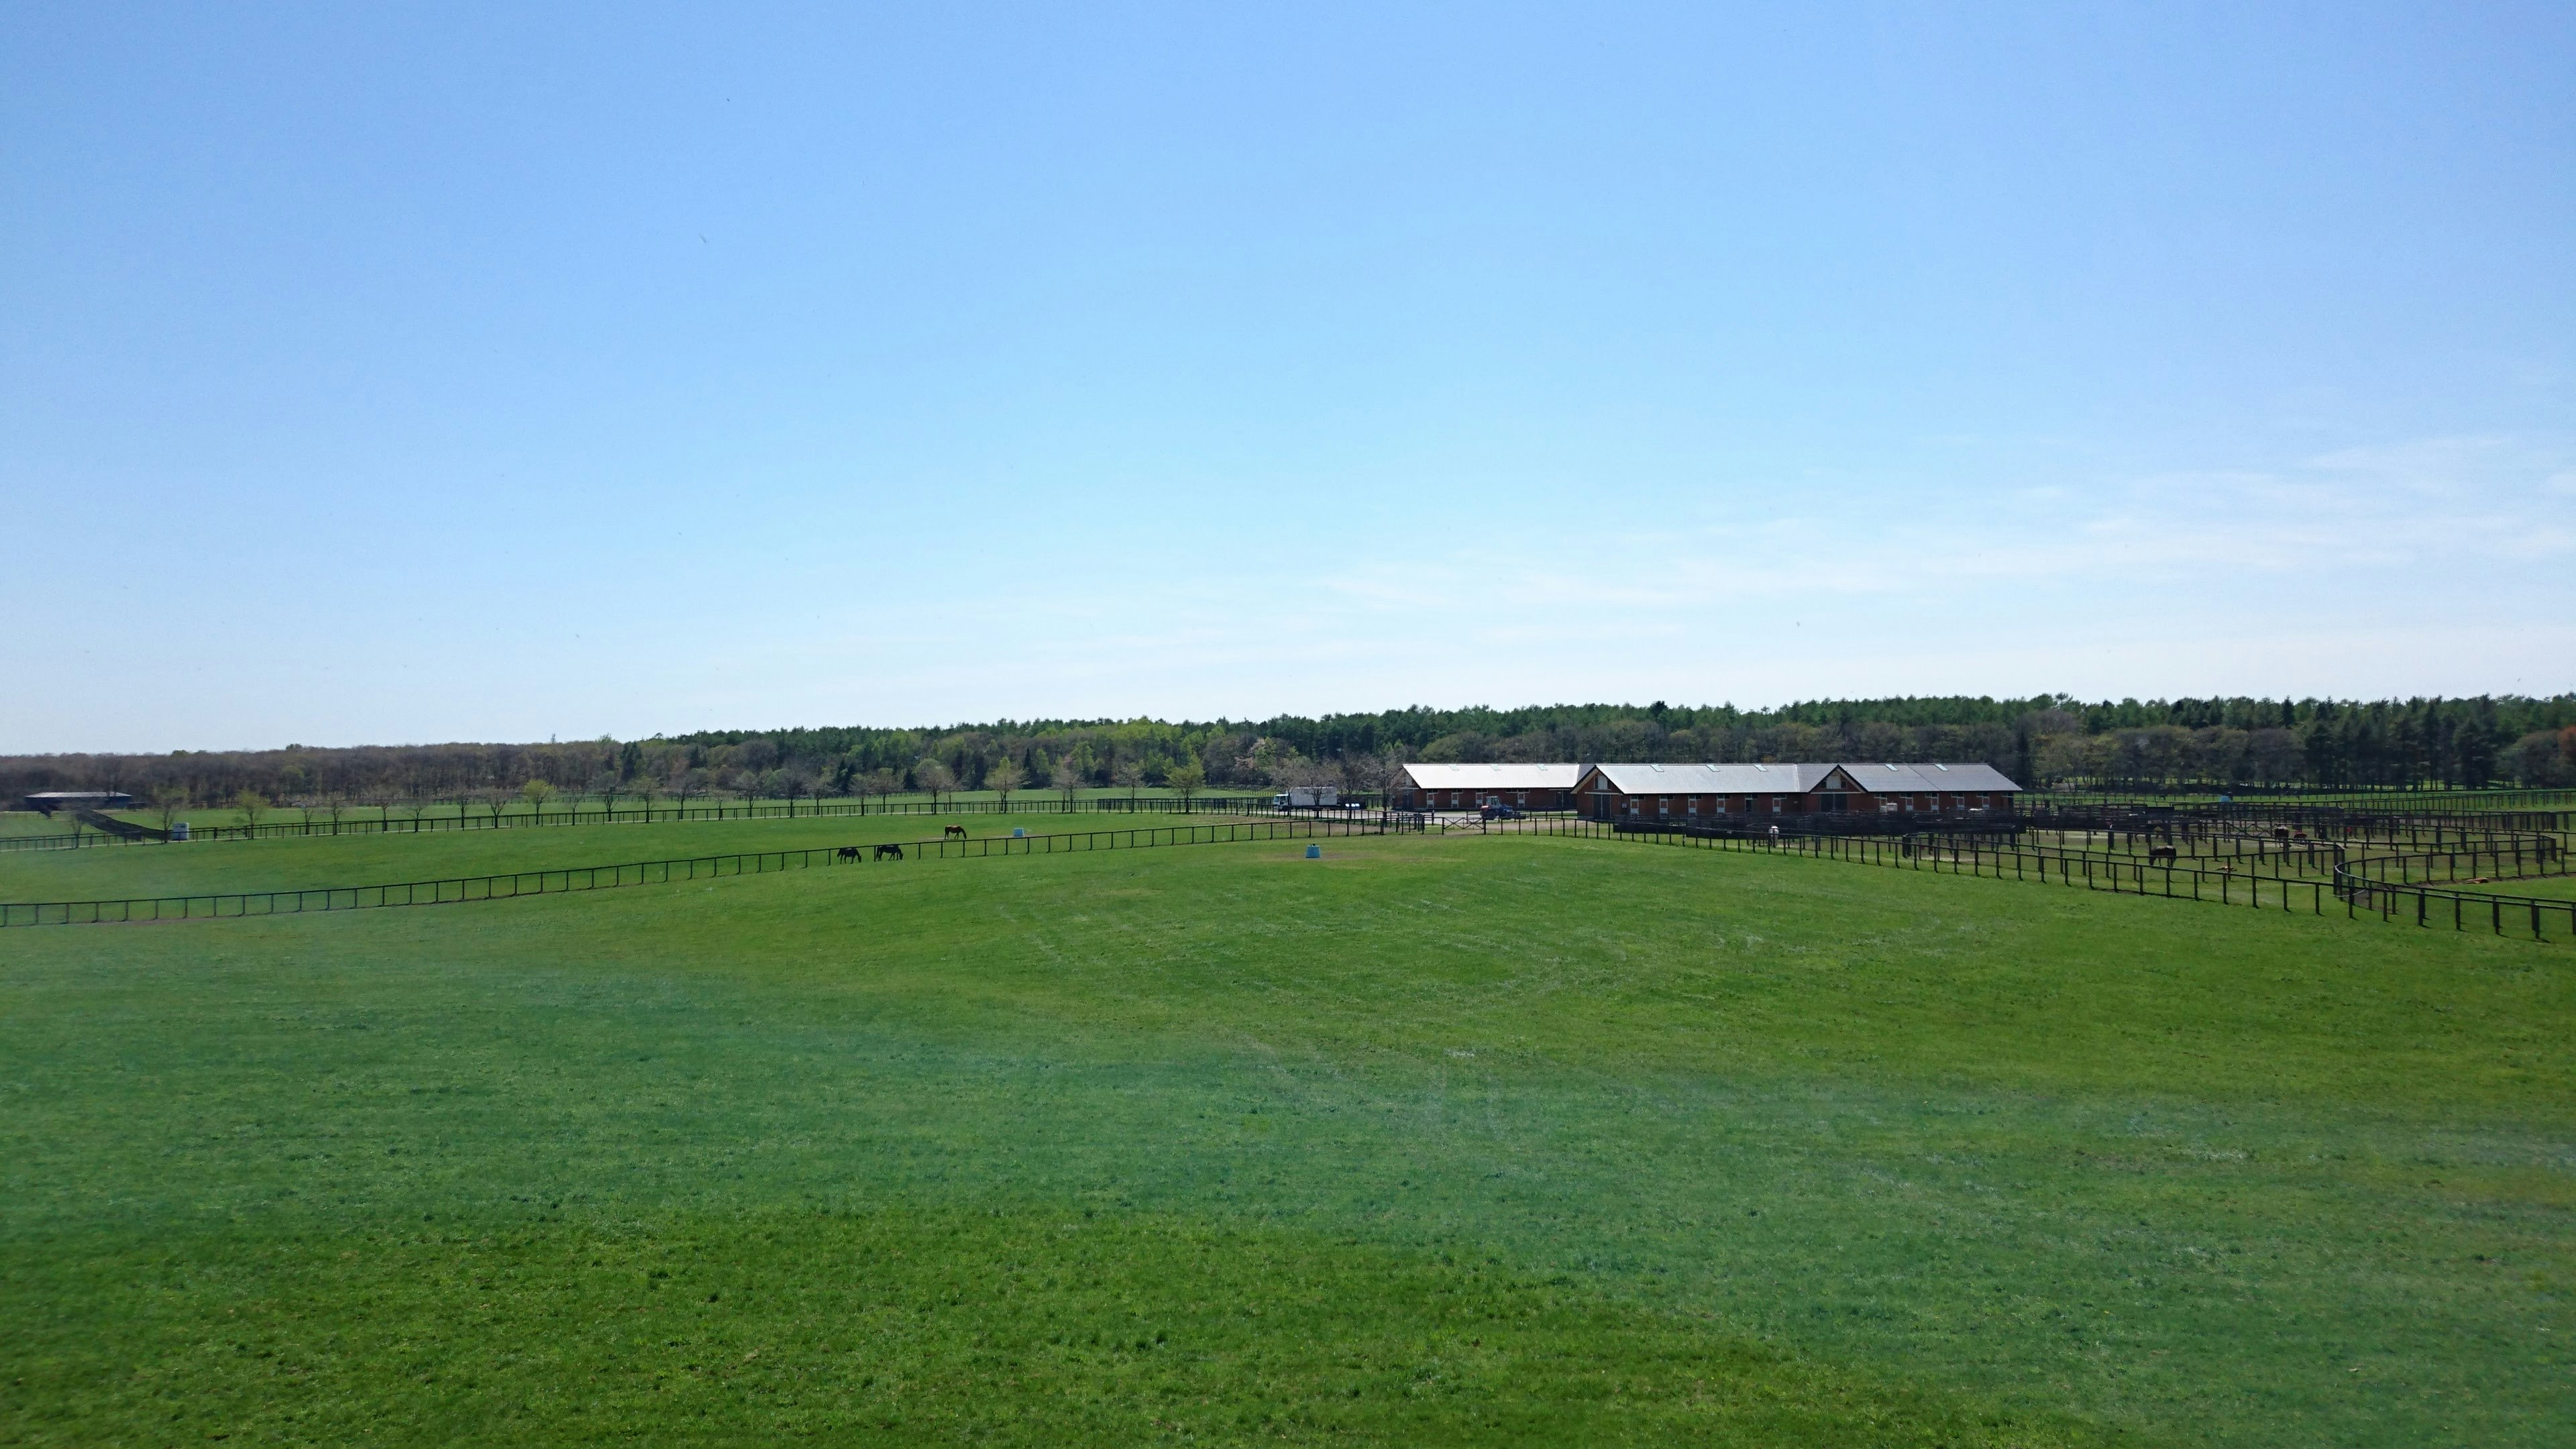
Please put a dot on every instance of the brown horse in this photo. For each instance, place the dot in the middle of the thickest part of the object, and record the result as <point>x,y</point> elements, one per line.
<point>953,832</point>
<point>2162,855</point>
<point>889,849</point>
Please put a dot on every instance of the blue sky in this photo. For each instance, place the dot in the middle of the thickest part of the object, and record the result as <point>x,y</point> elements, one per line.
<point>384,374</point>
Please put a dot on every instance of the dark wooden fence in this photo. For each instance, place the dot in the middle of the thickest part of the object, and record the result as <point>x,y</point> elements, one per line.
<point>2386,885</point>
<point>2495,912</point>
<point>376,823</point>
<point>2003,856</point>
<point>454,889</point>
<point>2392,797</point>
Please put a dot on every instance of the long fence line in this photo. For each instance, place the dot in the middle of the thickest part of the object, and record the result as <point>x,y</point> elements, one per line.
<point>2390,902</point>
<point>1968,855</point>
<point>506,886</point>
<point>2318,821</point>
<point>2544,857</point>
<point>2505,856</point>
<point>1031,803</point>
<point>2399,798</point>
<point>1964,854</point>
<point>2501,854</point>
<point>1996,853</point>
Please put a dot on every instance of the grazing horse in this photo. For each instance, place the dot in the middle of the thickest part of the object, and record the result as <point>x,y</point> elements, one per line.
<point>2280,832</point>
<point>889,848</point>
<point>2162,854</point>
<point>956,832</point>
<point>849,852</point>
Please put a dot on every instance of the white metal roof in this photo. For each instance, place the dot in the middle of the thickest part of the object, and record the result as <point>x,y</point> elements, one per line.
<point>1494,777</point>
<point>1792,779</point>
<point>1899,779</point>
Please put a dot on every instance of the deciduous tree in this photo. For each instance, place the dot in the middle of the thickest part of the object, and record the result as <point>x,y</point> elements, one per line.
<point>933,777</point>
<point>1186,780</point>
<point>1003,777</point>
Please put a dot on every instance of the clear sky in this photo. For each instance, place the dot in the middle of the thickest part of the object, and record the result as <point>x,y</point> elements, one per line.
<point>417,373</point>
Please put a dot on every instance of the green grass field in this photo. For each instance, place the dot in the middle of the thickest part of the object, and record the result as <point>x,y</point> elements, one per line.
<point>518,812</point>
<point>121,871</point>
<point>1436,1140</point>
<point>2546,887</point>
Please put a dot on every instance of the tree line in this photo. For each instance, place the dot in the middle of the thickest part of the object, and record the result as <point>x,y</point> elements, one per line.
<point>2046,740</point>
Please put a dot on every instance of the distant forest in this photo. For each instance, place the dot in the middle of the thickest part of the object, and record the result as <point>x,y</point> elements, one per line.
<point>2050,740</point>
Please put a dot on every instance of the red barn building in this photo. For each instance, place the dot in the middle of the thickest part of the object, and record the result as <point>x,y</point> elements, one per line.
<point>1688,794</point>
<point>1466,787</point>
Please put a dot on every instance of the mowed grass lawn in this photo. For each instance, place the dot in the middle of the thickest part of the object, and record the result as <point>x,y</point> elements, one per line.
<point>1466,1140</point>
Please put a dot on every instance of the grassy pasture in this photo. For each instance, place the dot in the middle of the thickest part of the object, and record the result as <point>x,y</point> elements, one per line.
<point>310,862</point>
<point>2547,887</point>
<point>519,812</point>
<point>1436,1140</point>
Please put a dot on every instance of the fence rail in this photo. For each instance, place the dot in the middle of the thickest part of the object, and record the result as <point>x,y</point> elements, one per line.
<point>1998,853</point>
<point>1968,855</point>
<point>2321,821</point>
<point>509,885</point>
<point>2397,795</point>
<point>2390,902</point>
<point>378,824</point>
<point>2000,857</point>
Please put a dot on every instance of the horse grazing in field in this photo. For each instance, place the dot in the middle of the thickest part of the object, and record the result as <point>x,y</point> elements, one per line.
<point>849,852</point>
<point>953,832</point>
<point>890,849</point>
<point>2162,855</point>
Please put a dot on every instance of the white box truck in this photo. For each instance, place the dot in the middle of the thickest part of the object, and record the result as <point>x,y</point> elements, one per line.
<point>1303,797</point>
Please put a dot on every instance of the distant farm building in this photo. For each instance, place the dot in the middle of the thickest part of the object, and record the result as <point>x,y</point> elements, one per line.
<point>1687,793</point>
<point>52,800</point>
<point>1466,787</point>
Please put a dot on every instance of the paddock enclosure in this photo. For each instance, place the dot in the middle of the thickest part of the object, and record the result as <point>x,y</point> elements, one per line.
<point>2383,862</point>
<point>2093,1123</point>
